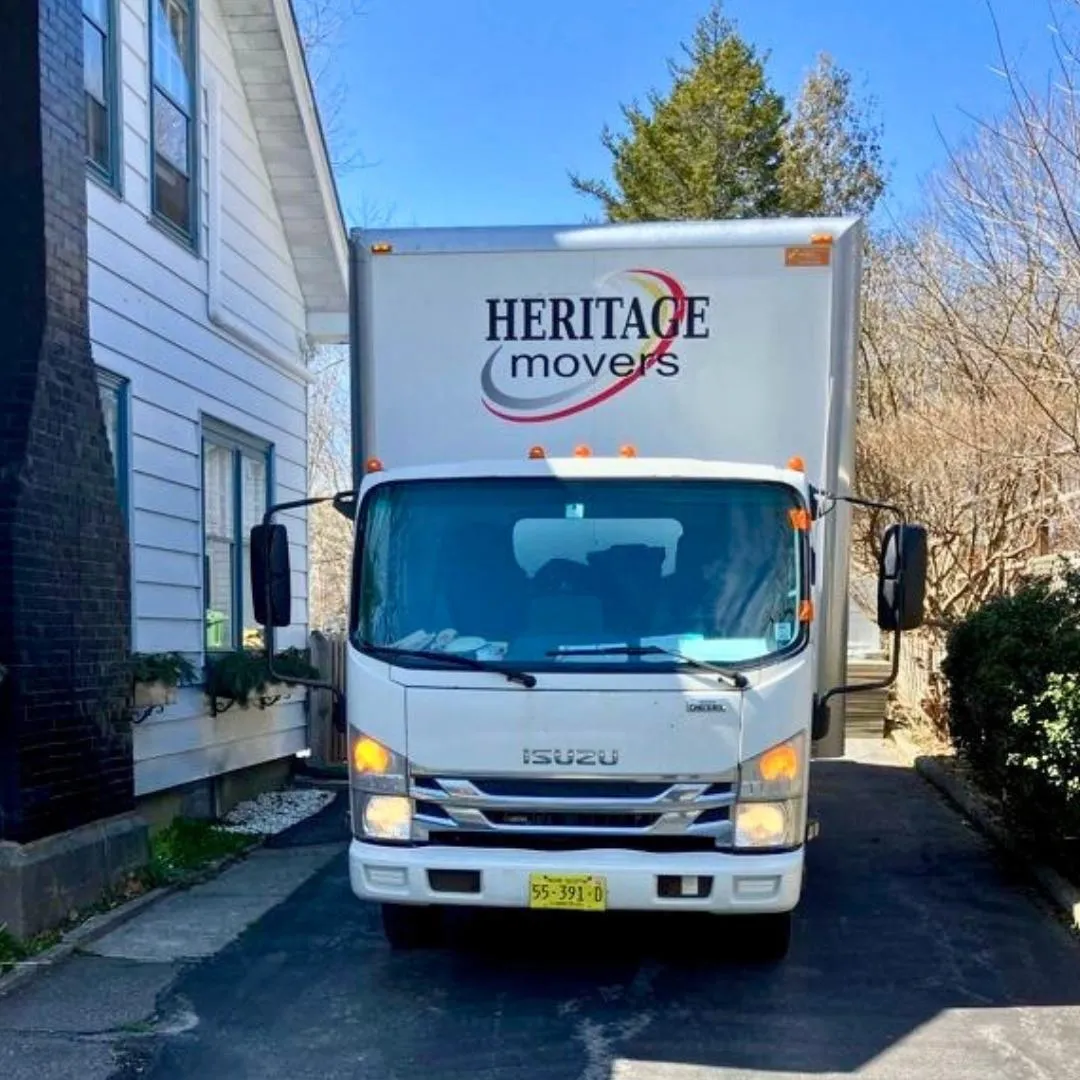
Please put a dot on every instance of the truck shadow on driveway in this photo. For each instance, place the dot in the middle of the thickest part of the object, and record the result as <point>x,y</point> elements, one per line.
<point>916,953</point>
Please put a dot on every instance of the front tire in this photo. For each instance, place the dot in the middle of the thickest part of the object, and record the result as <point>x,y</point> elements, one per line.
<point>410,926</point>
<point>765,939</point>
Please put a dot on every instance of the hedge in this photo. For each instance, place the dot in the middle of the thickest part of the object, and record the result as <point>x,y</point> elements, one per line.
<point>1013,673</point>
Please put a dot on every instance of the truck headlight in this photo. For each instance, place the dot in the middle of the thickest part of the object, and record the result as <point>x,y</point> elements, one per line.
<point>769,810</point>
<point>379,785</point>
<point>387,817</point>
<point>763,825</point>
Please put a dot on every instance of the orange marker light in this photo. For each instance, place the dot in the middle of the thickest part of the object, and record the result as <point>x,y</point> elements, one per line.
<point>627,451</point>
<point>800,519</point>
<point>779,763</point>
<point>796,464</point>
<point>821,238</point>
<point>582,451</point>
<point>806,611</point>
<point>374,465</point>
<point>381,249</point>
<point>370,756</point>
<point>537,452</point>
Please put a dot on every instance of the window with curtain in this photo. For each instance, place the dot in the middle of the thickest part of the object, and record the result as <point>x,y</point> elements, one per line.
<point>100,88</point>
<point>172,110</point>
<point>236,489</point>
<point>113,392</point>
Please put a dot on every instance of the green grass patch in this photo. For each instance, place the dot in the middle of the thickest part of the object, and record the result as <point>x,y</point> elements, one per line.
<point>185,847</point>
<point>14,951</point>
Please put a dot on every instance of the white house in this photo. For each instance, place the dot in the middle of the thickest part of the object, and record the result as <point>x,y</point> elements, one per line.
<point>217,258</point>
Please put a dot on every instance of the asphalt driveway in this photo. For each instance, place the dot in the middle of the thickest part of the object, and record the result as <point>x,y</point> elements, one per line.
<point>917,954</point>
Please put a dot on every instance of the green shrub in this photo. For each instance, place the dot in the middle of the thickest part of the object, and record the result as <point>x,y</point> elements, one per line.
<point>1013,671</point>
<point>1001,657</point>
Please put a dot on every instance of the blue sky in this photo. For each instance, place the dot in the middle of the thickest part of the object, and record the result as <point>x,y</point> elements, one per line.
<point>473,111</point>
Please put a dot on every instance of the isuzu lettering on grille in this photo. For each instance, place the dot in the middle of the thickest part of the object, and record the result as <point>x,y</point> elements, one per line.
<point>570,757</point>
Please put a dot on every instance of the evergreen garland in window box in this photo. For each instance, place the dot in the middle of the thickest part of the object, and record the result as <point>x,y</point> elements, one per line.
<point>243,677</point>
<point>156,677</point>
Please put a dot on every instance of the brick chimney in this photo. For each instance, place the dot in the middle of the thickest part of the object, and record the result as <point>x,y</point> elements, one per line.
<point>65,732</point>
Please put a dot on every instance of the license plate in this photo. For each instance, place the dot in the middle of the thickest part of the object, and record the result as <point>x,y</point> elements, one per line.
<point>568,892</point>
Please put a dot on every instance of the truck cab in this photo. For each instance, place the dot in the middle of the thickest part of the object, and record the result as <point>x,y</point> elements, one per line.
<point>583,681</point>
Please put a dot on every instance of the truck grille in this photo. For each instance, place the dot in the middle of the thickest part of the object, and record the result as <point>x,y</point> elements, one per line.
<point>560,814</point>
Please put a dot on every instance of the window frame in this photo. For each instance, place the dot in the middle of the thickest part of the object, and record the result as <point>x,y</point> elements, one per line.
<point>191,111</point>
<point>121,387</point>
<point>109,176</point>
<point>239,444</point>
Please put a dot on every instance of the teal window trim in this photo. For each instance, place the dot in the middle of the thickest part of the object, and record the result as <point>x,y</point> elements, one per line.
<point>108,173</point>
<point>119,390</point>
<point>240,445</point>
<point>188,237</point>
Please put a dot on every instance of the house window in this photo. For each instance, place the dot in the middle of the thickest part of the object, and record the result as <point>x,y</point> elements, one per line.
<point>113,392</point>
<point>172,113</point>
<point>100,87</point>
<point>236,492</point>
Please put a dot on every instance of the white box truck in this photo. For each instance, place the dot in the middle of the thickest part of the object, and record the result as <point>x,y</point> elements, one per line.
<point>602,530</point>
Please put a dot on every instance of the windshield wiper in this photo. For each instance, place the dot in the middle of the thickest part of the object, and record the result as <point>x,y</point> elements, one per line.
<point>524,678</point>
<point>735,679</point>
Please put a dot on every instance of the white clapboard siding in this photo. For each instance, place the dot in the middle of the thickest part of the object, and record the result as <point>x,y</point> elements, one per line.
<point>150,303</point>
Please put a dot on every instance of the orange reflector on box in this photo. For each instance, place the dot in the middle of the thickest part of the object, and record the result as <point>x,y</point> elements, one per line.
<point>806,611</point>
<point>808,255</point>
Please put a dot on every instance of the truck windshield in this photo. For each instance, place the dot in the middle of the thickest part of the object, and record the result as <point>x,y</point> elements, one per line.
<point>517,571</point>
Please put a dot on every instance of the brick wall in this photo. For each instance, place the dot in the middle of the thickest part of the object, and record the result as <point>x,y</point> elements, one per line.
<point>65,739</point>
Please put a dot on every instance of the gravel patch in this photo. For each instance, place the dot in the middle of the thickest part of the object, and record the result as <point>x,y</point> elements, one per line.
<point>275,811</point>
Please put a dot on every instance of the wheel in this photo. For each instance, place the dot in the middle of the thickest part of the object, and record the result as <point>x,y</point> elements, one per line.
<point>765,938</point>
<point>410,926</point>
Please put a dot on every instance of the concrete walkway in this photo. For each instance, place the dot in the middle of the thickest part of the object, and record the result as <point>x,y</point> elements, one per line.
<point>98,1014</point>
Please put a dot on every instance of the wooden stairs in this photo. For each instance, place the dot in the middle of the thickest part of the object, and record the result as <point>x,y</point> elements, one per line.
<point>865,713</point>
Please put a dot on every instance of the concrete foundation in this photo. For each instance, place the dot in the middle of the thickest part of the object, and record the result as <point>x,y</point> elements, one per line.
<point>209,799</point>
<point>43,882</point>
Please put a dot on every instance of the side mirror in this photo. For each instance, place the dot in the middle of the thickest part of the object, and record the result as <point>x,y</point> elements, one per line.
<point>270,562</point>
<point>902,578</point>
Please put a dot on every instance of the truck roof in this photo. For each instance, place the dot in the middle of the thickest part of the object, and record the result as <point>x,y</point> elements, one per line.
<point>771,232</point>
<point>595,468</point>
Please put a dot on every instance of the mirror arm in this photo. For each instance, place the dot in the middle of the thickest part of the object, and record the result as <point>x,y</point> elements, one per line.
<point>820,721</point>
<point>821,705</point>
<point>864,687</point>
<point>340,499</point>
<point>853,500</point>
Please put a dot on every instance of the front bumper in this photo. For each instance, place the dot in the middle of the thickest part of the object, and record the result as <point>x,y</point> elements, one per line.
<point>740,883</point>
